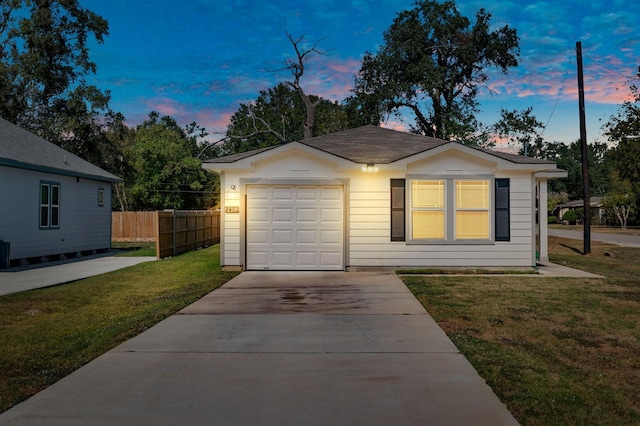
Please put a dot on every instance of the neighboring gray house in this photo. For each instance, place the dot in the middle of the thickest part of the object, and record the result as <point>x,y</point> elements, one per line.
<point>52,202</point>
<point>595,206</point>
<point>377,198</point>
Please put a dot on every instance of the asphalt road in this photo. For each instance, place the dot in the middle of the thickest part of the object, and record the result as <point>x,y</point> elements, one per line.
<point>619,239</point>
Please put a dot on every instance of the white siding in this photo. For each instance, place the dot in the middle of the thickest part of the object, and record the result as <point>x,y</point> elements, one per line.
<point>367,206</point>
<point>84,225</point>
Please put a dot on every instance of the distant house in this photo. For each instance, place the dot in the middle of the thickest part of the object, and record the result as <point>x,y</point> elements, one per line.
<point>52,202</point>
<point>376,198</point>
<point>595,207</point>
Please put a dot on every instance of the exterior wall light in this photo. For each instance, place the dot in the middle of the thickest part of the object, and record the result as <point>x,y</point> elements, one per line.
<point>369,168</point>
<point>232,192</point>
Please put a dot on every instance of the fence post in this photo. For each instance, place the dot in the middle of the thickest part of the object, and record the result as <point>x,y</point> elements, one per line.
<point>157,232</point>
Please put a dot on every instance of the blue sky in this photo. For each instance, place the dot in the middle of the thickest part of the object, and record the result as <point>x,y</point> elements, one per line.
<point>198,60</point>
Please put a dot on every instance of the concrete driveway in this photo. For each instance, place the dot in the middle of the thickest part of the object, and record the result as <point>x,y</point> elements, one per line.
<point>280,348</point>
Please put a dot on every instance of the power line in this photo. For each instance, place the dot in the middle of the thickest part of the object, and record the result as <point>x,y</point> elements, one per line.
<point>566,75</point>
<point>599,63</point>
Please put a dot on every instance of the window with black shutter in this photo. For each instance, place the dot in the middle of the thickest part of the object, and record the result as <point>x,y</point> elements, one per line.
<point>397,210</point>
<point>502,214</point>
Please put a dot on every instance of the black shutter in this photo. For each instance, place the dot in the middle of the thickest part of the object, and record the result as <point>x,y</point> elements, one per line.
<point>502,214</point>
<point>397,210</point>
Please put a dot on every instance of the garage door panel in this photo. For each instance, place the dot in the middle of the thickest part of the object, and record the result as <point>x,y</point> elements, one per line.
<point>258,193</point>
<point>307,194</point>
<point>282,259</point>
<point>258,236</point>
<point>282,193</point>
<point>282,215</point>
<point>331,215</point>
<point>330,237</point>
<point>306,215</point>
<point>331,259</point>
<point>331,194</point>
<point>307,259</point>
<point>305,236</point>
<point>282,236</point>
<point>258,214</point>
<point>295,227</point>
<point>259,259</point>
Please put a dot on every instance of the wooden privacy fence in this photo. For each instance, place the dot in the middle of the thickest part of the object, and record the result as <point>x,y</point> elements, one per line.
<point>174,231</point>
<point>134,226</point>
<point>180,231</point>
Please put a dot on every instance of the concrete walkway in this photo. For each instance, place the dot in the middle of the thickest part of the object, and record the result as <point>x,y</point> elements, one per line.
<point>618,239</point>
<point>280,348</point>
<point>48,274</point>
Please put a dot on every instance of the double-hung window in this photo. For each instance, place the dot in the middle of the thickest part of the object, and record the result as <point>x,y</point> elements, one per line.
<point>428,209</point>
<point>450,210</point>
<point>472,209</point>
<point>49,205</point>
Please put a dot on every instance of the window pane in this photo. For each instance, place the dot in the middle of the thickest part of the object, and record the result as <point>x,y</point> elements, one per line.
<point>427,193</point>
<point>101,197</point>
<point>428,225</point>
<point>44,194</point>
<point>472,194</point>
<point>472,225</point>
<point>55,216</point>
<point>55,195</point>
<point>44,216</point>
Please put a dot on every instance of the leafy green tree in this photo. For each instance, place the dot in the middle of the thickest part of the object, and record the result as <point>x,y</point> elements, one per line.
<point>120,140</point>
<point>620,206</point>
<point>521,129</point>
<point>44,57</point>
<point>432,63</point>
<point>568,157</point>
<point>623,129</point>
<point>168,173</point>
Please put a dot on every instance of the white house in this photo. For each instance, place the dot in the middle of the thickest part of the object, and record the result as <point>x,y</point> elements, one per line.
<point>377,198</point>
<point>52,203</point>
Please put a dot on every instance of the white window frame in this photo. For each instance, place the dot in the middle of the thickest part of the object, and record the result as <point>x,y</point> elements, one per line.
<point>49,209</point>
<point>450,209</point>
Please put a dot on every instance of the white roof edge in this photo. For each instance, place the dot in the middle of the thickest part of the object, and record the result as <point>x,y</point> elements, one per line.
<point>552,173</point>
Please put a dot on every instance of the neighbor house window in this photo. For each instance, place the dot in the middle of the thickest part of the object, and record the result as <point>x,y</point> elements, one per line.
<point>49,205</point>
<point>100,197</point>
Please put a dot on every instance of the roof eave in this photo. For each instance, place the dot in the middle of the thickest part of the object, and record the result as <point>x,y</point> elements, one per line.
<point>45,169</point>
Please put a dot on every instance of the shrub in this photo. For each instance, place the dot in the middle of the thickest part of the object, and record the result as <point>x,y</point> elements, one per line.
<point>552,219</point>
<point>570,216</point>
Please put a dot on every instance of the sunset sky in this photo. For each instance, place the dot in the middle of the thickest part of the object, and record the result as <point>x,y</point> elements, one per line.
<point>198,60</point>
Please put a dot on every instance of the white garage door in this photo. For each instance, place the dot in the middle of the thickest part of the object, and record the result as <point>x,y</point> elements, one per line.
<point>295,227</point>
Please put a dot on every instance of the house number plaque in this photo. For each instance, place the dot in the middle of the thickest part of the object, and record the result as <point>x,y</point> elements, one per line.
<point>232,209</point>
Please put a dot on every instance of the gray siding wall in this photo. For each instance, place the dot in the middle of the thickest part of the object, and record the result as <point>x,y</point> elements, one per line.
<point>84,225</point>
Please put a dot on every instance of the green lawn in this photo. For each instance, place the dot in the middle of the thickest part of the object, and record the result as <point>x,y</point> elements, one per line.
<point>556,351</point>
<point>48,333</point>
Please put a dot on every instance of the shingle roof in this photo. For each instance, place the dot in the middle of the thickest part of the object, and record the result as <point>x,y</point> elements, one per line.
<point>372,144</point>
<point>23,149</point>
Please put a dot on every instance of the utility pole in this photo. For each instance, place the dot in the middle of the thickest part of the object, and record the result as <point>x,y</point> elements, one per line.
<point>583,143</point>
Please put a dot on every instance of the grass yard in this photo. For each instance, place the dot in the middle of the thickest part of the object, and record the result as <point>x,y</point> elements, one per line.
<point>556,351</point>
<point>135,249</point>
<point>46,334</point>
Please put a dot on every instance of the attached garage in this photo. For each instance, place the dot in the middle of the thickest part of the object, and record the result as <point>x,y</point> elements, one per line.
<point>295,227</point>
<point>375,198</point>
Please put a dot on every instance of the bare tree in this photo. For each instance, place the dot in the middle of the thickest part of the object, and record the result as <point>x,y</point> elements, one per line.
<point>297,67</point>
